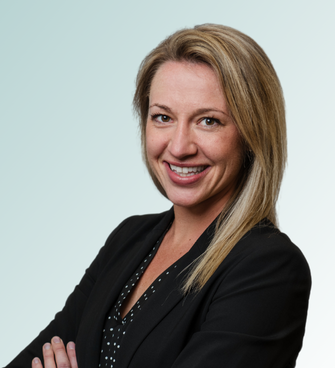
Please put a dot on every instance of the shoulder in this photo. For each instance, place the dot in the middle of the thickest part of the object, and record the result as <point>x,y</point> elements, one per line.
<point>268,239</point>
<point>121,245</point>
<point>268,251</point>
<point>129,235</point>
<point>140,225</point>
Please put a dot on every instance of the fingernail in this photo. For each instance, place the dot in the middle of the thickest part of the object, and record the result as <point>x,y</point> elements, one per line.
<point>71,345</point>
<point>47,346</point>
<point>56,339</point>
<point>36,360</point>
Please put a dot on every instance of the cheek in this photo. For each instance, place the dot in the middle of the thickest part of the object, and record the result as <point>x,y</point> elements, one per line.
<point>229,154</point>
<point>156,142</point>
<point>151,147</point>
<point>154,146</point>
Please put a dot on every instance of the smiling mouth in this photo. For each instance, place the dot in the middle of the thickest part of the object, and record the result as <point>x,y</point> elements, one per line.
<point>187,170</point>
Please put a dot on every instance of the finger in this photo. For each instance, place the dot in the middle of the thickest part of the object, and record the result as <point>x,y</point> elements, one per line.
<point>36,363</point>
<point>48,356</point>
<point>71,352</point>
<point>59,350</point>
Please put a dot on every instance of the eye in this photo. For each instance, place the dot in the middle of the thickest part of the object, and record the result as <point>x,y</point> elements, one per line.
<point>209,121</point>
<point>161,118</point>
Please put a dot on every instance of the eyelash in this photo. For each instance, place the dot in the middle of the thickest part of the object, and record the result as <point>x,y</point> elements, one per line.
<point>156,116</point>
<point>217,121</point>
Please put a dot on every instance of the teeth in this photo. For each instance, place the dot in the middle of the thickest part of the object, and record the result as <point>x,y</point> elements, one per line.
<point>187,171</point>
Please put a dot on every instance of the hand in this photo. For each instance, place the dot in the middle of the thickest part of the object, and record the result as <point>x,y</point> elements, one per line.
<point>55,355</point>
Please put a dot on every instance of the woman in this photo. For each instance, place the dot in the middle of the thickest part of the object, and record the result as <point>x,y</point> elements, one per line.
<point>212,282</point>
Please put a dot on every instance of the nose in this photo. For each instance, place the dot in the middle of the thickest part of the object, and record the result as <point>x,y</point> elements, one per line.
<point>182,143</point>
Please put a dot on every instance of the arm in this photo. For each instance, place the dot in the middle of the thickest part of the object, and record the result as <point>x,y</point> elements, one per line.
<point>257,316</point>
<point>66,323</point>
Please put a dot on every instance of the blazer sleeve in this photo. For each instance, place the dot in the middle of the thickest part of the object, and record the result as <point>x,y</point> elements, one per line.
<point>66,322</point>
<point>257,316</point>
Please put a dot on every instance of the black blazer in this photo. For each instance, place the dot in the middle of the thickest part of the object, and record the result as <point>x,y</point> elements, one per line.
<point>251,313</point>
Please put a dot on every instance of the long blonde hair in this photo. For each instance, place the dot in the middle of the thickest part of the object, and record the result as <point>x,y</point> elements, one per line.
<point>255,100</point>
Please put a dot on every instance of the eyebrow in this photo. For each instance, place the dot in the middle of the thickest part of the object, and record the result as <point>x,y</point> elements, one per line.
<point>197,112</point>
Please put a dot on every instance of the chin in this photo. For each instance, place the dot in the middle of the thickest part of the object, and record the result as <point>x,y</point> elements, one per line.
<point>186,200</point>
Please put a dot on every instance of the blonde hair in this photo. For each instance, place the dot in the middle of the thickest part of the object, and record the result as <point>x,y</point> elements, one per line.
<point>255,99</point>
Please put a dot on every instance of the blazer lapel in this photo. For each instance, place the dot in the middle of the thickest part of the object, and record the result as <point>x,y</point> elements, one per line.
<point>108,288</point>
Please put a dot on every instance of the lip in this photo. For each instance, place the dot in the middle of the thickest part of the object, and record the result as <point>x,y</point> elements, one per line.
<point>184,180</point>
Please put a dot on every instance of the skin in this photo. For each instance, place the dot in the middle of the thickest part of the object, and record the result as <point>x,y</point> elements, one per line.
<point>56,355</point>
<point>188,125</point>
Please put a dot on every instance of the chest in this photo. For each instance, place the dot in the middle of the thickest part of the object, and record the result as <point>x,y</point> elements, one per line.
<point>162,260</point>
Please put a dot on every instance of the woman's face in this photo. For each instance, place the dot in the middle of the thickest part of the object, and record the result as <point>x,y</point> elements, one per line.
<point>193,145</point>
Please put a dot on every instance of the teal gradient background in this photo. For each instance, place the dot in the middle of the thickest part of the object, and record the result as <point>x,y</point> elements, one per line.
<point>70,158</point>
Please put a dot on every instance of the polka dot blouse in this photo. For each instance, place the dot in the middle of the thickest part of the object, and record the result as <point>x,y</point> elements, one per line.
<point>115,327</point>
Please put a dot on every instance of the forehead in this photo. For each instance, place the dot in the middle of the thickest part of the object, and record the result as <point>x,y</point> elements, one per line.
<point>185,82</point>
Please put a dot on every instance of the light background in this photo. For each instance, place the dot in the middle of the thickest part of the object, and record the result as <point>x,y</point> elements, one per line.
<point>70,158</point>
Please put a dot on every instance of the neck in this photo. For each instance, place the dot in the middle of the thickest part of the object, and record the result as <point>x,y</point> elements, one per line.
<point>190,223</point>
